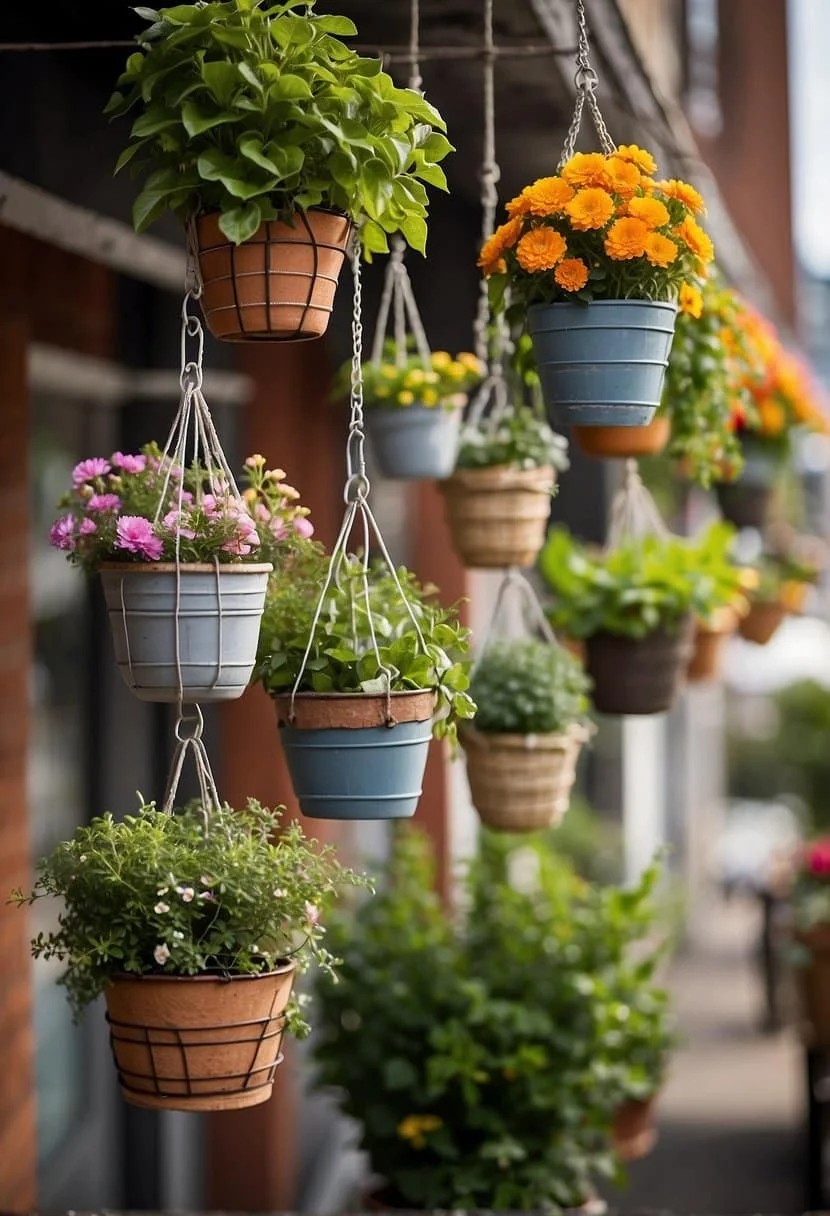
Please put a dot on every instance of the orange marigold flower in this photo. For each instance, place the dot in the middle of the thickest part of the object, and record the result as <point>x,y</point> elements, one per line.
<point>650,210</point>
<point>684,193</point>
<point>644,161</point>
<point>660,251</point>
<point>540,249</point>
<point>504,237</point>
<point>548,195</point>
<point>626,239</point>
<point>623,177</point>
<point>591,207</point>
<point>697,240</point>
<point>520,205</point>
<point>691,301</point>
<point>572,274</point>
<point>772,415</point>
<point>586,169</point>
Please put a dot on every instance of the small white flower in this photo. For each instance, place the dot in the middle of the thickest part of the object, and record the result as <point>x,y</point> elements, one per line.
<point>206,895</point>
<point>82,857</point>
<point>162,891</point>
<point>161,908</point>
<point>187,894</point>
<point>206,882</point>
<point>161,953</point>
<point>255,950</point>
<point>177,933</point>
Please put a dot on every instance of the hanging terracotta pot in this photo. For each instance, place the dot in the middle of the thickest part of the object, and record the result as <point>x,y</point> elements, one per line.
<point>710,638</point>
<point>813,984</point>
<point>521,783</point>
<point>624,442</point>
<point>198,1042</point>
<point>762,621</point>
<point>278,285</point>
<point>356,756</point>
<point>638,675</point>
<point>633,1134</point>
<point>498,517</point>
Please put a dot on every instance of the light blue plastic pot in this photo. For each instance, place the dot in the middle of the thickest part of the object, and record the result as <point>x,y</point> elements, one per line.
<point>217,622</point>
<point>352,767</point>
<point>415,441</point>
<point>604,363</point>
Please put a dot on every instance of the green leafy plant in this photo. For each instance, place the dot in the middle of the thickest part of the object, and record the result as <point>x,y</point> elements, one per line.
<point>218,892</point>
<point>499,1074</point>
<point>445,382</point>
<point>343,656</point>
<point>528,687</point>
<point>645,584</point>
<point>254,109</point>
<point>521,439</point>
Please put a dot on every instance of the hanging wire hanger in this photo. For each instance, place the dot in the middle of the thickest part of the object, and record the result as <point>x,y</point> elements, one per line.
<point>585,83</point>
<point>634,512</point>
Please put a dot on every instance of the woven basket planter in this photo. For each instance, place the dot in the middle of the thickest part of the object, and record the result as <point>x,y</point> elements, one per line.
<point>762,621</point>
<point>638,675</point>
<point>521,783</point>
<point>278,285</point>
<point>498,517</point>
<point>633,1134</point>
<point>710,639</point>
<point>198,1043</point>
<point>624,442</point>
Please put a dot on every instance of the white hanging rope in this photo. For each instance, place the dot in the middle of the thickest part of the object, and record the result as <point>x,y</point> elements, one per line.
<point>585,81</point>
<point>634,512</point>
<point>190,740</point>
<point>415,81</point>
<point>533,613</point>
<point>397,296</point>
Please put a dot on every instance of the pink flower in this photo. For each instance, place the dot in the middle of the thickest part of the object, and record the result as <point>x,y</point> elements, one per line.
<point>278,528</point>
<point>246,539</point>
<point>312,913</point>
<point>129,464</point>
<point>262,512</point>
<point>176,522</point>
<point>303,527</point>
<point>135,534</point>
<point>817,857</point>
<point>88,526</point>
<point>104,502</point>
<point>87,470</point>
<point>211,507</point>
<point>62,533</point>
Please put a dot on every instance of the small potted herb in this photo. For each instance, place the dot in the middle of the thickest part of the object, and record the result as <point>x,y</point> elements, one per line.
<point>498,498</point>
<point>265,133</point>
<point>594,259</point>
<point>523,745</point>
<point>779,589</point>
<point>372,691</point>
<point>184,565</point>
<point>192,926</point>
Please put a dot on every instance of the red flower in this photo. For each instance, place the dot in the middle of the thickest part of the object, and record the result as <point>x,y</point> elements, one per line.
<point>817,857</point>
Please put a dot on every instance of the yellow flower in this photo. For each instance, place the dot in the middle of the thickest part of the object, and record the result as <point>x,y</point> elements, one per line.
<point>405,397</point>
<point>432,377</point>
<point>441,359</point>
<point>644,161</point>
<point>547,196</point>
<point>414,1127</point>
<point>429,397</point>
<point>389,372</point>
<point>471,362</point>
<point>772,416</point>
<point>684,193</point>
<point>590,208</point>
<point>650,210</point>
<point>250,495</point>
<point>696,239</point>
<point>540,249</point>
<point>414,378</point>
<point>382,390</point>
<point>626,239</point>
<point>571,275</point>
<point>660,251</point>
<point>586,169</point>
<point>504,237</point>
<point>691,301</point>
<point>456,370</point>
<point>623,177</point>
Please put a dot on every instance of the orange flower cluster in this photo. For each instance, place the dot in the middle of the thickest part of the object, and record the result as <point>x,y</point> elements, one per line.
<point>602,227</point>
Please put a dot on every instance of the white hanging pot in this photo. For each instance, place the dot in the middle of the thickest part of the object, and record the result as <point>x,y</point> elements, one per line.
<point>189,634</point>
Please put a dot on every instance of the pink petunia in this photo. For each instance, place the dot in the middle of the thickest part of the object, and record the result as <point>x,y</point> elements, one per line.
<point>211,506</point>
<point>262,513</point>
<point>135,534</point>
<point>246,539</point>
<point>177,523</point>
<point>303,527</point>
<point>104,502</point>
<point>818,858</point>
<point>87,470</point>
<point>128,463</point>
<point>278,528</point>
<point>62,534</point>
<point>88,527</point>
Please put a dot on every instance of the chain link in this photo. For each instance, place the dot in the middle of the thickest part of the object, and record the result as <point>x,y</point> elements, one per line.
<point>357,483</point>
<point>585,82</point>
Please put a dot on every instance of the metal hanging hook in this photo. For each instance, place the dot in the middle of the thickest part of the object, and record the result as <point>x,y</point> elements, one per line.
<point>585,83</point>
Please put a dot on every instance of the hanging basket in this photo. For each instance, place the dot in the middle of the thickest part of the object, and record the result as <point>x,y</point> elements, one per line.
<point>415,442</point>
<point>762,621</point>
<point>191,638</point>
<point>633,1134</point>
<point>638,675</point>
<point>198,1043</point>
<point>746,501</point>
<point>624,442</point>
<point>353,756</point>
<point>498,517</point>
<point>521,783</point>
<point>603,363</point>
<point>710,639</point>
<point>278,285</point>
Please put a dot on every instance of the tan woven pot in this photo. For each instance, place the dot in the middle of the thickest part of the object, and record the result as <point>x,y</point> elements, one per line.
<point>623,442</point>
<point>709,642</point>
<point>762,621</point>
<point>521,783</point>
<point>633,1134</point>
<point>353,711</point>
<point>200,1042</point>
<point>498,517</point>
<point>279,285</point>
<point>813,984</point>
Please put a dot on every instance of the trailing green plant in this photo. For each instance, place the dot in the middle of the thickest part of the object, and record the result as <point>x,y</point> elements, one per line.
<point>445,382</point>
<point>644,584</point>
<point>521,439</point>
<point>197,892</point>
<point>343,656</point>
<point>499,1036</point>
<point>254,110</point>
<point>528,687</point>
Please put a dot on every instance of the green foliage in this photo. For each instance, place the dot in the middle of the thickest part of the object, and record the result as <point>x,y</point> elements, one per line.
<point>645,584</point>
<point>528,687</point>
<point>256,109</point>
<point>226,892</point>
<point>591,842</point>
<point>521,439</point>
<point>500,1041</point>
<point>343,657</point>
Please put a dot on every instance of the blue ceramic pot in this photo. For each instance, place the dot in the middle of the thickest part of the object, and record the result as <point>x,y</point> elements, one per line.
<point>604,363</point>
<point>416,441</point>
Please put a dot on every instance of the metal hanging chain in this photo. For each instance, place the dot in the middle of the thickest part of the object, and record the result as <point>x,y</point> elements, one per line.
<point>634,512</point>
<point>533,612</point>
<point>189,739</point>
<point>585,82</point>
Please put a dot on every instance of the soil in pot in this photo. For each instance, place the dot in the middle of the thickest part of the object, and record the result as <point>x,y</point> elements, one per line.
<point>633,1134</point>
<point>278,285</point>
<point>638,675</point>
<point>762,621</point>
<point>498,517</point>
<point>624,442</point>
<point>198,1043</point>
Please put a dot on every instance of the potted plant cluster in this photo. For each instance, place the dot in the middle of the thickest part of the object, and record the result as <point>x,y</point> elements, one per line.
<point>184,565</point>
<point>499,1078</point>
<point>266,134</point>
<point>634,607</point>
<point>595,259</point>
<point>192,926</point>
<point>414,410</point>
<point>781,583</point>
<point>498,498</point>
<point>523,745</point>
<point>810,910</point>
<point>373,689</point>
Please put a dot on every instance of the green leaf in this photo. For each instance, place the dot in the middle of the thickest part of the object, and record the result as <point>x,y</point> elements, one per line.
<point>152,122</point>
<point>128,154</point>
<point>288,87</point>
<point>222,79</point>
<point>342,27</point>
<point>433,174</point>
<point>214,166</point>
<point>248,74</point>
<point>373,238</point>
<point>241,223</point>
<point>196,122</point>
<point>180,14</point>
<point>436,146</point>
<point>251,148</point>
<point>414,231</point>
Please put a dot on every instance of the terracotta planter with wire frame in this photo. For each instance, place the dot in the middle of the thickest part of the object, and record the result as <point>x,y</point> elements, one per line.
<point>624,442</point>
<point>498,517</point>
<point>198,1042</point>
<point>762,622</point>
<point>633,1134</point>
<point>278,285</point>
